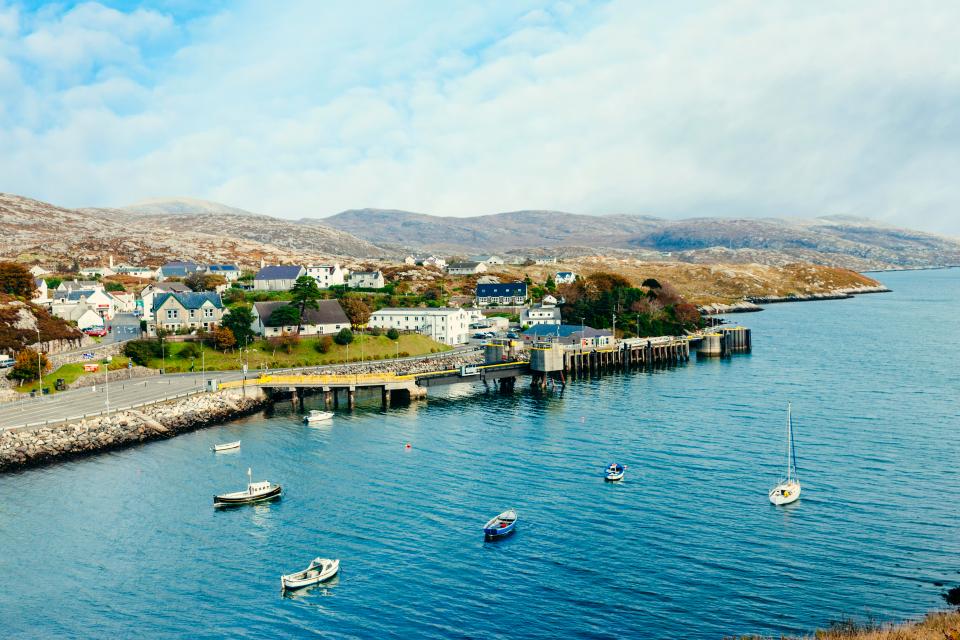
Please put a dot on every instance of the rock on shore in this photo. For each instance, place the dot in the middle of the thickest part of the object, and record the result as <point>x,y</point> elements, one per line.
<point>26,448</point>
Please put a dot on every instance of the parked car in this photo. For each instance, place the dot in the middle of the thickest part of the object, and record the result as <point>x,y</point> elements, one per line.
<point>5,361</point>
<point>98,332</point>
<point>513,335</point>
<point>479,336</point>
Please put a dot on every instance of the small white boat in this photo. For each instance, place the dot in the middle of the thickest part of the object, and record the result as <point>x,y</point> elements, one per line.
<point>226,446</point>
<point>255,492</point>
<point>317,416</point>
<point>500,526</point>
<point>320,570</point>
<point>788,489</point>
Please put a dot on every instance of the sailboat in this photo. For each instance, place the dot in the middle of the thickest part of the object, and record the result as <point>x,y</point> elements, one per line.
<point>788,490</point>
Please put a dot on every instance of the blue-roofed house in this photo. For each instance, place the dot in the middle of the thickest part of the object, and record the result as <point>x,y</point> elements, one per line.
<point>507,294</point>
<point>185,311</point>
<point>277,277</point>
<point>177,269</point>
<point>570,334</point>
<point>230,272</point>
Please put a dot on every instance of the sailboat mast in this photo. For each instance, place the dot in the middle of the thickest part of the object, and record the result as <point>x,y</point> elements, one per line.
<point>789,439</point>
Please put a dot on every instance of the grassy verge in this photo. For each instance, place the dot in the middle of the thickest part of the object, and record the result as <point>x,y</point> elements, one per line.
<point>304,354</point>
<point>941,625</point>
<point>70,373</point>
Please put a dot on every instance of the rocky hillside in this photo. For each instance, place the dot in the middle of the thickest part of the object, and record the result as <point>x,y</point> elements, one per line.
<point>838,241</point>
<point>20,320</point>
<point>38,231</point>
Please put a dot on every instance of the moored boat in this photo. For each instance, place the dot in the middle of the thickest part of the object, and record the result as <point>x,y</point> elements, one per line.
<point>500,526</point>
<point>226,446</point>
<point>788,489</point>
<point>614,472</point>
<point>318,416</point>
<point>320,570</point>
<point>255,492</point>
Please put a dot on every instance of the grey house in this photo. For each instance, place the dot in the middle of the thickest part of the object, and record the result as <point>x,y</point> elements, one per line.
<point>278,277</point>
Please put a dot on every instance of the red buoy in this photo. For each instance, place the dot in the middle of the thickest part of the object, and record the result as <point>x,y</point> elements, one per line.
<point>408,445</point>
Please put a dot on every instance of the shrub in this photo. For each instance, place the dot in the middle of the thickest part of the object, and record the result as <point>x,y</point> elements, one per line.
<point>188,351</point>
<point>25,365</point>
<point>324,344</point>
<point>286,343</point>
<point>115,286</point>
<point>344,337</point>
<point>16,280</point>
<point>375,331</point>
<point>141,351</point>
<point>404,354</point>
<point>223,338</point>
<point>393,334</point>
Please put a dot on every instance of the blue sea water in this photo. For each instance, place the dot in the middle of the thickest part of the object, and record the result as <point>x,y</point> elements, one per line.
<point>127,544</point>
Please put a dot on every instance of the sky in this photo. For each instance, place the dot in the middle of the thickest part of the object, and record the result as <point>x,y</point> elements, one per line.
<point>305,108</point>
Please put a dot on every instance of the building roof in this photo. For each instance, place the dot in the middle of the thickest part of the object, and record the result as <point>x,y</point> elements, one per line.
<point>463,265</point>
<point>171,287</point>
<point>564,274</point>
<point>565,331</point>
<point>222,267</point>
<point>189,300</point>
<point>330,312</point>
<point>373,274</point>
<point>423,311</point>
<point>501,289</point>
<point>279,272</point>
<point>76,294</point>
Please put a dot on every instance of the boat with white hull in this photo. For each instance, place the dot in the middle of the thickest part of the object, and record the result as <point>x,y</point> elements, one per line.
<point>255,492</point>
<point>320,570</point>
<point>788,489</point>
<point>317,416</point>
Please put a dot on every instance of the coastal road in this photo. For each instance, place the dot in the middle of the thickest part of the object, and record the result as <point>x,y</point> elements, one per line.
<point>126,392</point>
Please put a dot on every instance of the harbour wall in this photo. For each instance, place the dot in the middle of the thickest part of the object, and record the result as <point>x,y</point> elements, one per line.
<point>28,447</point>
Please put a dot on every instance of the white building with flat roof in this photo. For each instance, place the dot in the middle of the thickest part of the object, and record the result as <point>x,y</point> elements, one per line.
<point>444,324</point>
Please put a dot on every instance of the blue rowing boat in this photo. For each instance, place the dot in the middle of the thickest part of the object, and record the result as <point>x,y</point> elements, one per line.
<point>500,526</point>
<point>614,472</point>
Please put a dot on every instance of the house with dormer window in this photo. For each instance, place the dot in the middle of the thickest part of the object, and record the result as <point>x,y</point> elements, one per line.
<point>185,312</point>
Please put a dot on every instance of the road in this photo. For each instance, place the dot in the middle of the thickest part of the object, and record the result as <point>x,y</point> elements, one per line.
<point>124,393</point>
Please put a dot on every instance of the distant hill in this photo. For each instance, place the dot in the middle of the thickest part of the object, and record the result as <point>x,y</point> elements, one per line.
<point>182,206</point>
<point>39,231</point>
<point>855,243</point>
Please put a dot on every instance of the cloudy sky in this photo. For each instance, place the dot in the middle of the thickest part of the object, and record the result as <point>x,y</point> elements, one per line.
<point>748,108</point>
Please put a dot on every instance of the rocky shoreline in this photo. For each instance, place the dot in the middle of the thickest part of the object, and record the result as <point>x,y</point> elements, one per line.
<point>20,449</point>
<point>753,303</point>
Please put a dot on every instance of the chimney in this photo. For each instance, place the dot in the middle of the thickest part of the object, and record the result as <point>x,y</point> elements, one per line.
<point>111,262</point>
<point>262,263</point>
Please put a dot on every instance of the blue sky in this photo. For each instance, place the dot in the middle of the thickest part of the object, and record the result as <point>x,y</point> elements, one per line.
<point>303,108</point>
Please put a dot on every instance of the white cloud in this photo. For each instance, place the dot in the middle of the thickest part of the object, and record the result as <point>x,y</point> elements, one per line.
<point>746,108</point>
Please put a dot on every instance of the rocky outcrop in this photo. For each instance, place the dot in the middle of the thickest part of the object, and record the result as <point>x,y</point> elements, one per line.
<point>30,447</point>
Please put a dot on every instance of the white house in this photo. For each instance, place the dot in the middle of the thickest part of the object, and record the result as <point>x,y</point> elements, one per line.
<point>93,272</point>
<point>147,294</point>
<point>547,260</point>
<point>329,318</point>
<point>177,269</point>
<point>565,277</point>
<point>96,299</point>
<point>366,279</point>
<point>488,260</point>
<point>430,261</point>
<point>466,268</point>
<point>447,325</point>
<point>230,272</point>
<point>41,292</point>
<point>411,260</point>
<point>507,293</point>
<point>145,273</point>
<point>124,302</point>
<point>89,319</point>
<point>38,272</point>
<point>78,285</point>
<point>326,275</point>
<point>278,277</point>
<point>546,312</point>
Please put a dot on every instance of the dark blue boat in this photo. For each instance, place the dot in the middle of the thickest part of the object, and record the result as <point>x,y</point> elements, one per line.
<point>614,472</point>
<point>500,526</point>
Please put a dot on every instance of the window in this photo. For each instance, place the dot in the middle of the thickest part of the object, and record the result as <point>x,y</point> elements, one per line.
<point>193,313</point>
<point>172,314</point>
<point>208,312</point>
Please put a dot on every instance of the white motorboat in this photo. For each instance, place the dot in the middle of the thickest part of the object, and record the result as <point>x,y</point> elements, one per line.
<point>255,492</point>
<point>226,446</point>
<point>320,570</point>
<point>788,489</point>
<point>318,416</point>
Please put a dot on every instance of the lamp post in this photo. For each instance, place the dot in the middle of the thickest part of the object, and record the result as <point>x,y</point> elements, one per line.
<point>396,343</point>
<point>106,376</point>
<point>163,358</point>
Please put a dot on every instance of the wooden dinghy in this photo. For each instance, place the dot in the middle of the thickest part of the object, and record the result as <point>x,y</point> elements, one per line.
<point>255,492</point>
<point>500,526</point>
<point>226,446</point>
<point>320,570</point>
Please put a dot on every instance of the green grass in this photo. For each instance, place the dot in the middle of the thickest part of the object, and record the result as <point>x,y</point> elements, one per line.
<point>70,373</point>
<point>303,355</point>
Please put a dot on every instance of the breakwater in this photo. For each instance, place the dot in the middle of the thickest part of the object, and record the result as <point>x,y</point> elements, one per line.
<point>753,303</point>
<point>21,448</point>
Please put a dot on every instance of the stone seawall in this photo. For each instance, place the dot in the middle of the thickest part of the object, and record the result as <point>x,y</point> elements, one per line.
<point>27,448</point>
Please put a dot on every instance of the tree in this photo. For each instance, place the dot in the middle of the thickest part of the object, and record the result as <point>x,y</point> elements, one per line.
<point>550,284</point>
<point>25,365</point>
<point>16,280</point>
<point>393,334</point>
<point>285,316</point>
<point>223,338</point>
<point>357,310</point>
<point>114,286</point>
<point>344,337</point>
<point>53,283</point>
<point>687,314</point>
<point>650,283</point>
<point>286,342</point>
<point>197,281</point>
<point>239,321</point>
<point>305,294</point>
<point>324,344</point>
<point>142,351</point>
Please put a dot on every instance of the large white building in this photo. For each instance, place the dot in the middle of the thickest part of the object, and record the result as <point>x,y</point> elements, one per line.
<point>444,324</point>
<point>326,275</point>
<point>366,279</point>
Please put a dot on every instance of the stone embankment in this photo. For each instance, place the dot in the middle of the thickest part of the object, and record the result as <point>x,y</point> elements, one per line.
<point>405,366</point>
<point>26,448</point>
